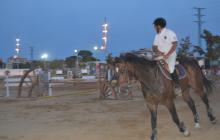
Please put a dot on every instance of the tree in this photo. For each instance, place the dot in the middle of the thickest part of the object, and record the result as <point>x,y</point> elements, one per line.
<point>185,48</point>
<point>24,65</point>
<point>71,61</point>
<point>199,50</point>
<point>86,56</point>
<point>37,63</point>
<point>213,45</point>
<point>212,50</point>
<point>57,64</point>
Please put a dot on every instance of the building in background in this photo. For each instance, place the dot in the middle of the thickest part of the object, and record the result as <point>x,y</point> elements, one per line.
<point>17,62</point>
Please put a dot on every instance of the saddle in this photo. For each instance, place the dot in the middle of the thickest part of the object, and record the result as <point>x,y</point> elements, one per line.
<point>181,71</point>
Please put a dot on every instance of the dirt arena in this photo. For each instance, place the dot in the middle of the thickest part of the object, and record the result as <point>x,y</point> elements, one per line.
<point>77,114</point>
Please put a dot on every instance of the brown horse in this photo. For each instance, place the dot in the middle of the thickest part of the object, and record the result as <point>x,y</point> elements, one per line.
<point>157,89</point>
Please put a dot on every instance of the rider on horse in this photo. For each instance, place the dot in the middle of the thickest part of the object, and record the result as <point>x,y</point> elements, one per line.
<point>164,46</point>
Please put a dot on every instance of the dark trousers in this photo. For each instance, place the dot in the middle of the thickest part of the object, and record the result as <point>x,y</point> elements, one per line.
<point>175,77</point>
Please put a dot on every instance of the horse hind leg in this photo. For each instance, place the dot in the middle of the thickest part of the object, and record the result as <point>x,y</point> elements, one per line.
<point>209,109</point>
<point>199,91</point>
<point>172,109</point>
<point>188,99</point>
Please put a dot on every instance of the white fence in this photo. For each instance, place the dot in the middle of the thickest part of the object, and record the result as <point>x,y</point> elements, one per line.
<point>12,72</point>
<point>14,81</point>
<point>11,81</point>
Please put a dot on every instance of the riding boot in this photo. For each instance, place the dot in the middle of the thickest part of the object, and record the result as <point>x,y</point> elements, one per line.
<point>175,78</point>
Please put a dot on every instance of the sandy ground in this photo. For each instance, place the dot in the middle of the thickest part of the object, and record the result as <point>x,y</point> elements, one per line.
<point>79,115</point>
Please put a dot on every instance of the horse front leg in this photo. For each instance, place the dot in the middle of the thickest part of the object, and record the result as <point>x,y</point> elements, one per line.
<point>153,111</point>
<point>188,99</point>
<point>172,109</point>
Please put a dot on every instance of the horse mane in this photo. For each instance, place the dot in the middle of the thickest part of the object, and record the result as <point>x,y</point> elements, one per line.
<point>132,58</point>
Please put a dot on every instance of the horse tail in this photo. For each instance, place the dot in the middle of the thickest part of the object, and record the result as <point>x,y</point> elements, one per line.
<point>208,84</point>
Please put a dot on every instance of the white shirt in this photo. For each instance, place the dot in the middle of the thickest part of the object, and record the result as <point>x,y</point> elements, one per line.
<point>164,40</point>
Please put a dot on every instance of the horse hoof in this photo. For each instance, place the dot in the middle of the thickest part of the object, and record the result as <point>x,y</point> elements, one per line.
<point>197,125</point>
<point>214,121</point>
<point>153,138</point>
<point>186,133</point>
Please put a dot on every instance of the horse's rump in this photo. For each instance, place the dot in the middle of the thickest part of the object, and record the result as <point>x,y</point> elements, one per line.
<point>192,63</point>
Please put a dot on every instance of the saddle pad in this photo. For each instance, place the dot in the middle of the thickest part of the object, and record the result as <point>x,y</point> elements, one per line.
<point>179,68</point>
<point>181,71</point>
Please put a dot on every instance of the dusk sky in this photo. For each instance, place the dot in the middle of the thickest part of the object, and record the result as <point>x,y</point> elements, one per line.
<point>60,26</point>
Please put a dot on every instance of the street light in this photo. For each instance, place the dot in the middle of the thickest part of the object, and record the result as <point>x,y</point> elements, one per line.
<point>46,74</point>
<point>17,39</point>
<point>17,50</point>
<point>44,57</point>
<point>105,25</point>
<point>77,62</point>
<point>95,48</point>
<point>104,35</point>
<point>105,31</point>
<point>102,47</point>
<point>77,58</point>
<point>96,51</point>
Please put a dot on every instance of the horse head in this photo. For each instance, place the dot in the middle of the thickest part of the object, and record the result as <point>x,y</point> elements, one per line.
<point>124,67</point>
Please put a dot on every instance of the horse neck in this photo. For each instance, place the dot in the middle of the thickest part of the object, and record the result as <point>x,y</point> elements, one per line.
<point>142,73</point>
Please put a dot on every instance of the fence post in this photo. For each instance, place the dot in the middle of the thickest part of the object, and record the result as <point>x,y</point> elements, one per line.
<point>7,83</point>
<point>50,93</point>
<point>108,74</point>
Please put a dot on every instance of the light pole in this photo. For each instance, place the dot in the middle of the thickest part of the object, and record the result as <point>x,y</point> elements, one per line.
<point>97,49</point>
<point>17,50</point>
<point>77,62</point>
<point>77,58</point>
<point>46,74</point>
<point>104,35</point>
<point>44,57</point>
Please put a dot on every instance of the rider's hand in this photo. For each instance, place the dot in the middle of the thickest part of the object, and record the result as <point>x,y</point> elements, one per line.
<point>159,53</point>
<point>165,56</point>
